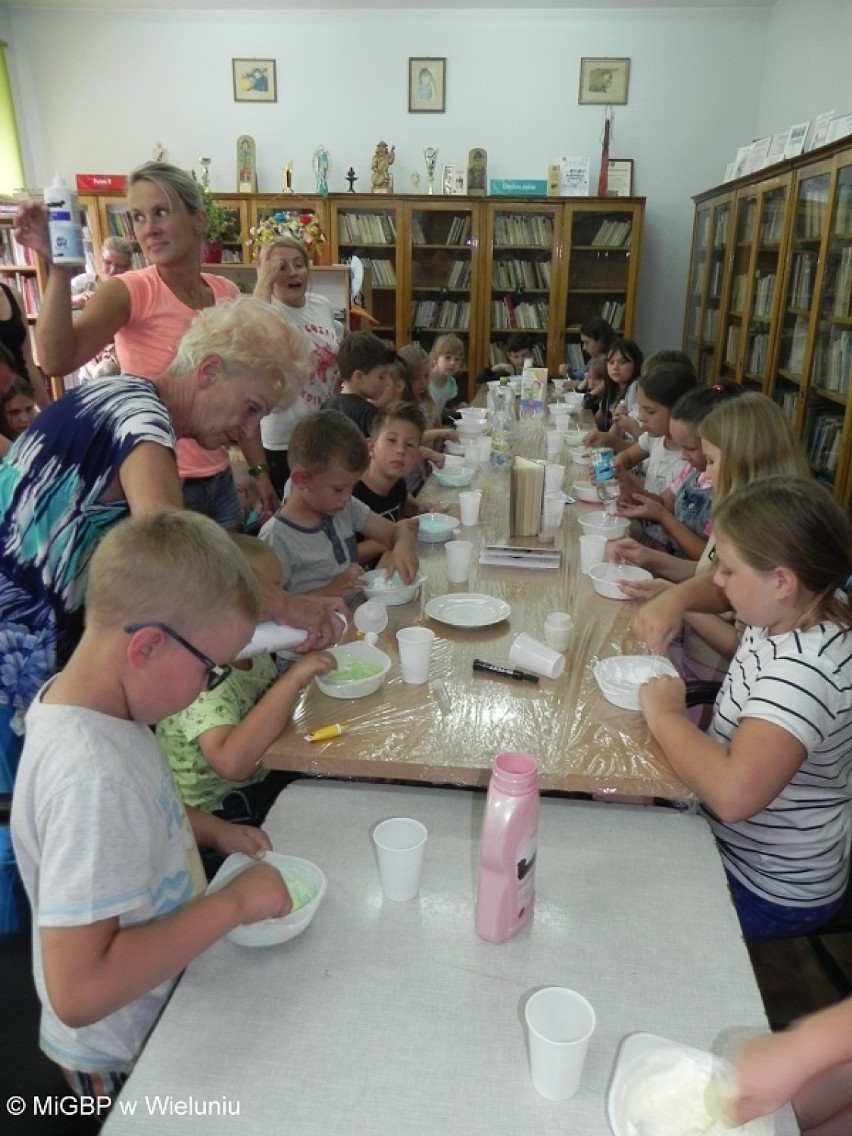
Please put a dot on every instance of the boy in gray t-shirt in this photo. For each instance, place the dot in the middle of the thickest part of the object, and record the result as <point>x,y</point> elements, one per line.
<point>313,533</point>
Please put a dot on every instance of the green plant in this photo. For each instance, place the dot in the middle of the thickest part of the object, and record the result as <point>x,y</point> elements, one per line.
<point>220,220</point>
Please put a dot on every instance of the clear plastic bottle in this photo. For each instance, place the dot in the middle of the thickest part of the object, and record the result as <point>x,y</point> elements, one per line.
<point>505,887</point>
<point>502,426</point>
<point>63,222</point>
<point>605,480</point>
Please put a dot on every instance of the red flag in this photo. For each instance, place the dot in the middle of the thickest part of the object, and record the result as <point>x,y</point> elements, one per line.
<point>603,177</point>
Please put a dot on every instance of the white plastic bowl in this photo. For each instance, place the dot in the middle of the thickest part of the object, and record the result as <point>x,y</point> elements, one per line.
<point>607,577</point>
<point>602,524</point>
<point>354,687</point>
<point>391,592</point>
<point>620,677</point>
<point>585,491</point>
<point>473,413</point>
<point>434,528</point>
<point>470,429</point>
<point>302,875</point>
<point>455,478</point>
<point>574,400</point>
<point>557,409</point>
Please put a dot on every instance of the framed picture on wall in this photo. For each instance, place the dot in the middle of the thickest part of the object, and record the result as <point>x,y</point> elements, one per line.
<point>254,80</point>
<point>604,81</point>
<point>427,83</point>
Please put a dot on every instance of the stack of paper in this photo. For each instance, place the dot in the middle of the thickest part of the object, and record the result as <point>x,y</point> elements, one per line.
<point>525,496</point>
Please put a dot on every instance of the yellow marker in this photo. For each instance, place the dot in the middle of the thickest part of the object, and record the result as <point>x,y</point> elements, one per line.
<point>326,732</point>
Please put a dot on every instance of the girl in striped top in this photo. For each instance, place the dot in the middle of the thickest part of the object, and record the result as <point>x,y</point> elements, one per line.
<point>773,770</point>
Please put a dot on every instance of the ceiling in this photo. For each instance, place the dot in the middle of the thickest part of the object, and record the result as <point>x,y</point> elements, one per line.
<point>301,5</point>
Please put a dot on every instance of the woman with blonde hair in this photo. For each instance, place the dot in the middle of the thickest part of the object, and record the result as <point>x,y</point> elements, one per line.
<point>284,281</point>
<point>146,311</point>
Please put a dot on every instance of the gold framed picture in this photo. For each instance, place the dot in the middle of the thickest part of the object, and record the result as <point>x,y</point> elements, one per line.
<point>254,80</point>
<point>427,85</point>
<point>604,81</point>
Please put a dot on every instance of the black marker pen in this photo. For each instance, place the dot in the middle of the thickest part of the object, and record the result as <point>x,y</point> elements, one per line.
<point>506,672</point>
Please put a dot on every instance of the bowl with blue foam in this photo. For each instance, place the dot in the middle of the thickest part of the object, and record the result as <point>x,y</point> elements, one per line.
<point>305,882</point>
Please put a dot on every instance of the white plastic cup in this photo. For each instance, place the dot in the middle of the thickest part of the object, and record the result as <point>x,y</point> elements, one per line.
<point>485,449</point>
<point>557,630</point>
<point>530,654</point>
<point>555,442</point>
<point>415,651</point>
<point>469,506</point>
<point>471,454</point>
<point>592,551</point>
<point>453,463</point>
<point>400,843</point>
<point>459,557</point>
<point>553,510</point>
<point>560,1023</point>
<point>553,476</point>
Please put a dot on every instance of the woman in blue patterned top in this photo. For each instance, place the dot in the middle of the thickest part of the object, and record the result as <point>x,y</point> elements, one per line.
<point>107,449</point>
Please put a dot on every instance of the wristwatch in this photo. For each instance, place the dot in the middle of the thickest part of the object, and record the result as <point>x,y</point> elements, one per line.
<point>257,470</point>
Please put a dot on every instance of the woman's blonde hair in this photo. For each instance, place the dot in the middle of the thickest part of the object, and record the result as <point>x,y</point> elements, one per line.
<point>175,567</point>
<point>250,338</point>
<point>754,440</point>
<point>290,241</point>
<point>794,523</point>
<point>178,186</point>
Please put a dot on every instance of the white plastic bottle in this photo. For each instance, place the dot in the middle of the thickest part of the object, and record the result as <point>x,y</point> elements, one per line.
<point>505,886</point>
<point>63,220</point>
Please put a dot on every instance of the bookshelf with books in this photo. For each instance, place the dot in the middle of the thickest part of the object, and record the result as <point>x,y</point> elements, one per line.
<point>795,318</point>
<point>705,335</point>
<point>372,228</point>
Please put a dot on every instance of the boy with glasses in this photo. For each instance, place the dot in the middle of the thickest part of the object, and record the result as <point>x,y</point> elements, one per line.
<point>108,855</point>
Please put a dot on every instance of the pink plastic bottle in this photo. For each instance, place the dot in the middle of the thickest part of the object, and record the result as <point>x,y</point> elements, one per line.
<point>505,890</point>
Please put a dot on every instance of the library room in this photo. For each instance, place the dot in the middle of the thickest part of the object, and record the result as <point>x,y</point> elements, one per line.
<point>449,405</point>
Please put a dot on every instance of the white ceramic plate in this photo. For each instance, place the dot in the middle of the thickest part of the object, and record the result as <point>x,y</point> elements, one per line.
<point>645,1055</point>
<point>621,676</point>
<point>467,609</point>
<point>438,527</point>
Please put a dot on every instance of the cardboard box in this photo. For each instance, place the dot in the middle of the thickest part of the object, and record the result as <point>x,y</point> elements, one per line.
<point>101,183</point>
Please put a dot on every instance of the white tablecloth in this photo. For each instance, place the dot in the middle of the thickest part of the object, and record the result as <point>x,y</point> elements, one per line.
<point>394,1019</point>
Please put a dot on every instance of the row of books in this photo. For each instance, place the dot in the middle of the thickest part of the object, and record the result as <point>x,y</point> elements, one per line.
<point>11,252</point>
<point>802,280</point>
<point>441,313</point>
<point>119,222</point>
<point>506,313</point>
<point>833,362</point>
<point>843,285</point>
<point>756,358</point>
<point>384,273</point>
<point>739,283</point>
<point>367,228</point>
<point>795,357</point>
<point>459,230</point>
<point>772,224</point>
<point>28,287</point>
<point>612,234</point>
<point>764,292</point>
<point>720,234</point>
<point>843,215</point>
<point>613,312</point>
<point>823,433</point>
<point>460,274</point>
<point>788,400</point>
<point>523,229</point>
<point>813,206</point>
<point>518,273</point>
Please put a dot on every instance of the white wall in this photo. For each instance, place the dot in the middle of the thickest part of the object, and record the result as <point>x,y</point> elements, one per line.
<point>96,90</point>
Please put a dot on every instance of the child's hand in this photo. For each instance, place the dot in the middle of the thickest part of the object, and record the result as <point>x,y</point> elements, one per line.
<point>663,695</point>
<point>769,1071</point>
<point>638,506</point>
<point>306,669</point>
<point>350,582</point>
<point>644,589</point>
<point>244,838</point>
<point>401,558</point>
<point>259,893</point>
<point>627,551</point>
<point>594,438</point>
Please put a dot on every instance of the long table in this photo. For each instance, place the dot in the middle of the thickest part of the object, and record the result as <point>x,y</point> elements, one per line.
<point>394,1019</point>
<point>581,742</point>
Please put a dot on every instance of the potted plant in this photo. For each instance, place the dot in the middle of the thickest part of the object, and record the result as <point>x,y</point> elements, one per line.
<point>220,223</point>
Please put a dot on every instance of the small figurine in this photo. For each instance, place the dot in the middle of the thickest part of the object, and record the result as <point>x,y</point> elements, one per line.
<point>383,159</point>
<point>431,156</point>
<point>246,165</point>
<point>415,181</point>
<point>351,178</point>
<point>159,153</point>
<point>288,178</point>
<point>322,164</point>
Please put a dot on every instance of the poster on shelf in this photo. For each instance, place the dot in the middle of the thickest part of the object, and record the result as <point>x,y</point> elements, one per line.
<point>796,136</point>
<point>574,180</point>
<point>821,125</point>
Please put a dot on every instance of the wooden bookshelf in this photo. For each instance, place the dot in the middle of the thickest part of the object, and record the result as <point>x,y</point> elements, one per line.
<point>776,314</point>
<point>477,267</point>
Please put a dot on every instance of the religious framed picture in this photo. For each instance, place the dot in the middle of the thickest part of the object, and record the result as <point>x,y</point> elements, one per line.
<point>620,177</point>
<point>427,84</point>
<point>604,81</point>
<point>454,180</point>
<point>254,80</point>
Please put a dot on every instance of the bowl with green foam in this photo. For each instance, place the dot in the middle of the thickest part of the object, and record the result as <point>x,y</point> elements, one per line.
<point>305,882</point>
<point>361,669</point>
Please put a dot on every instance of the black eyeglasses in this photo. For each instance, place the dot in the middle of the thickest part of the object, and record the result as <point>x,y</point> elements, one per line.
<point>216,672</point>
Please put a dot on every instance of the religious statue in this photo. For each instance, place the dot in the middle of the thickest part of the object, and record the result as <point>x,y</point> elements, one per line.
<point>431,156</point>
<point>246,165</point>
<point>351,178</point>
<point>383,159</point>
<point>159,153</point>
<point>415,181</point>
<point>322,164</point>
<point>288,178</point>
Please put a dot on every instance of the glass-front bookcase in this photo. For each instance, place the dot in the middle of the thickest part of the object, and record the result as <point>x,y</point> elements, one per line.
<point>372,230</point>
<point>707,277</point>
